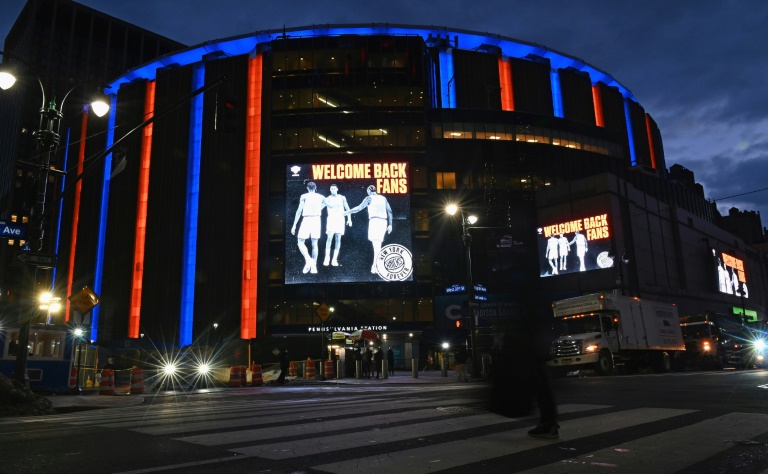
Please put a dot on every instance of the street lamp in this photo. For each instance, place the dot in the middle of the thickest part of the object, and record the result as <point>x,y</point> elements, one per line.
<point>48,140</point>
<point>467,221</point>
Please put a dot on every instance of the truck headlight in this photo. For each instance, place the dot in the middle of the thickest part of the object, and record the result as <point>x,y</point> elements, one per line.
<point>590,348</point>
<point>759,345</point>
<point>705,347</point>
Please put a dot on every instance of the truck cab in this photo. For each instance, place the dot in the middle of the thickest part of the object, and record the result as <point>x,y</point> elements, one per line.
<point>716,341</point>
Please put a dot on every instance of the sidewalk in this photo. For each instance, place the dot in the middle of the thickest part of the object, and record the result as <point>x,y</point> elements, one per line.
<point>92,399</point>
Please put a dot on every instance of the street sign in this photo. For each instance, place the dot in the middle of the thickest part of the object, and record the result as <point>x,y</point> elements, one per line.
<point>40,260</point>
<point>481,298</point>
<point>480,288</point>
<point>323,311</point>
<point>84,299</point>
<point>455,289</point>
<point>10,230</point>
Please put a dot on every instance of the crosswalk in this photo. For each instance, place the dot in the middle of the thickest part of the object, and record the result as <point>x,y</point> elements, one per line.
<point>410,434</point>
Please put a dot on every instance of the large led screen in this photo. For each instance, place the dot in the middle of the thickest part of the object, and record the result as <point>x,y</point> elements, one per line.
<point>347,222</point>
<point>731,278</point>
<point>575,245</point>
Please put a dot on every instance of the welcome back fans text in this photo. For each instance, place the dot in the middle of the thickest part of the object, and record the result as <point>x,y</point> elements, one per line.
<point>391,178</point>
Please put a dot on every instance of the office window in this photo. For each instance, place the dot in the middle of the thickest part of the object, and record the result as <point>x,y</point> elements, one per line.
<point>445,180</point>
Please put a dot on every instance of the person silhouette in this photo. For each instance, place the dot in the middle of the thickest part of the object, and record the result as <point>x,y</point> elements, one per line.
<point>581,248</point>
<point>334,226</point>
<point>310,207</point>
<point>379,219</point>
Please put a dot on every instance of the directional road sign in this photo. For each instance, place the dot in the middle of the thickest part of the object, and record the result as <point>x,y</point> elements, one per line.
<point>40,260</point>
<point>84,299</point>
<point>323,311</point>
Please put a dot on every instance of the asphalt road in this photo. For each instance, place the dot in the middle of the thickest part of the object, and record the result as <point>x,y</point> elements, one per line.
<point>703,422</point>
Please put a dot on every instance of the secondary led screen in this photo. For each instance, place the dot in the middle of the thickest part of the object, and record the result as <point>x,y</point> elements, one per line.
<point>731,278</point>
<point>576,245</point>
<point>348,222</point>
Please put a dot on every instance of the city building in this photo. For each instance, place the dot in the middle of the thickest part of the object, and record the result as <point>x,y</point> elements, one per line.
<point>234,156</point>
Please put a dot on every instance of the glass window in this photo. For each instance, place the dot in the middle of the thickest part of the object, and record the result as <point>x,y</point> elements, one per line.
<point>420,220</point>
<point>445,180</point>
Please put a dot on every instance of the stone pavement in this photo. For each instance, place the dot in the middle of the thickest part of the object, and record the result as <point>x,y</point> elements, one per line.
<point>92,399</point>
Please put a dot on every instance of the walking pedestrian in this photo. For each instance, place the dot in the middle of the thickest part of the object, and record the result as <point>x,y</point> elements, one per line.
<point>520,377</point>
<point>367,361</point>
<point>378,358</point>
<point>391,361</point>
<point>283,366</point>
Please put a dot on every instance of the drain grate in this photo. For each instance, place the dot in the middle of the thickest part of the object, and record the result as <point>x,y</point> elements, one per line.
<point>458,409</point>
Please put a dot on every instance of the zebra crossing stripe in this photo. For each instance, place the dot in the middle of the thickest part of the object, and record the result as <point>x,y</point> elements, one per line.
<point>244,436</point>
<point>669,451</point>
<point>355,439</point>
<point>432,458</point>
<point>292,416</point>
<point>222,412</point>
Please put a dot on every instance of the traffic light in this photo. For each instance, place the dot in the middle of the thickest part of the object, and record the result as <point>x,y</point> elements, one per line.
<point>458,323</point>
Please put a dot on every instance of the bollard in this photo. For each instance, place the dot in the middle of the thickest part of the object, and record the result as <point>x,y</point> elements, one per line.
<point>358,369</point>
<point>256,378</point>
<point>237,376</point>
<point>340,369</point>
<point>385,368</point>
<point>328,369</point>
<point>137,380</point>
<point>444,367</point>
<point>73,381</point>
<point>292,369</point>
<point>107,386</point>
<point>309,370</point>
<point>415,368</point>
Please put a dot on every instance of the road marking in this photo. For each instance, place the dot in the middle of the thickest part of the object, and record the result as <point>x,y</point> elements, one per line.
<point>668,451</point>
<point>432,458</point>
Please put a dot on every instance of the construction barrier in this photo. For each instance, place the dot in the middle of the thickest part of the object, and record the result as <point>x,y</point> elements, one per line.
<point>73,380</point>
<point>237,376</point>
<point>309,370</point>
<point>137,379</point>
<point>328,369</point>
<point>292,369</point>
<point>107,384</point>
<point>256,377</point>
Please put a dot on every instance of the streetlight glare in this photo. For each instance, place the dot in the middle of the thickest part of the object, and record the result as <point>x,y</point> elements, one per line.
<point>451,209</point>
<point>78,332</point>
<point>45,297</point>
<point>472,219</point>
<point>100,107</point>
<point>7,80</point>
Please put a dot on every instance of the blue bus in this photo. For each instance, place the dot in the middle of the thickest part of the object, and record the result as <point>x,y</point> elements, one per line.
<point>54,351</point>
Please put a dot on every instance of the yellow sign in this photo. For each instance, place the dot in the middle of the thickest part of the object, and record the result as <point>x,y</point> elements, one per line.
<point>84,300</point>
<point>323,311</point>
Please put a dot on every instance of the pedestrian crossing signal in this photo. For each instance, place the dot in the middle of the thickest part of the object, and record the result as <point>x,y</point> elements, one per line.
<point>458,323</point>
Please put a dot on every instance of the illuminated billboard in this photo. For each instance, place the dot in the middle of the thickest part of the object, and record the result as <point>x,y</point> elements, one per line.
<point>575,245</point>
<point>731,278</point>
<point>348,222</point>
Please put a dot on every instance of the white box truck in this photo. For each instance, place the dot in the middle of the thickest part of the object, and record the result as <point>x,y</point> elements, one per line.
<point>605,331</point>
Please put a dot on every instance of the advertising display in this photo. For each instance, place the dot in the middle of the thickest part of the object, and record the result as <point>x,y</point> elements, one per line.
<point>575,245</point>
<point>731,278</point>
<point>348,222</point>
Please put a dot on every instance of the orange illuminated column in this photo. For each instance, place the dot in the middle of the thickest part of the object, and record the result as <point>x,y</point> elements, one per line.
<point>648,129</point>
<point>251,204</point>
<point>134,316</point>
<point>598,102</point>
<point>76,211</point>
<point>505,79</point>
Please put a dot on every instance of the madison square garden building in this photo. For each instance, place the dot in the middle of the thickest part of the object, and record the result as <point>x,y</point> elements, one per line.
<point>255,146</point>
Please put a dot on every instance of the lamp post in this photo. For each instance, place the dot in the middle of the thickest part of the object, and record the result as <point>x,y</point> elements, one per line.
<point>48,140</point>
<point>79,333</point>
<point>467,221</point>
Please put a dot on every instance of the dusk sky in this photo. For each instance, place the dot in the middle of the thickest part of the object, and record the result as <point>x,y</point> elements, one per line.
<point>698,67</point>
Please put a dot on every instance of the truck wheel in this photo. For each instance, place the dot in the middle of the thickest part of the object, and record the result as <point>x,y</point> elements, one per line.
<point>604,363</point>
